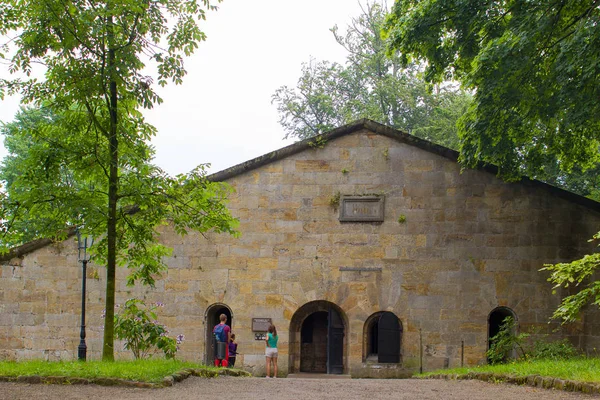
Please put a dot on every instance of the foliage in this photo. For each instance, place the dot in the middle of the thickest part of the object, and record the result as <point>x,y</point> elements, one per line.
<point>369,85</point>
<point>81,155</point>
<point>578,273</point>
<point>318,142</point>
<point>503,344</point>
<point>578,369</point>
<point>553,350</point>
<point>136,324</point>
<point>334,200</point>
<point>148,370</point>
<point>506,340</point>
<point>585,183</point>
<point>533,66</point>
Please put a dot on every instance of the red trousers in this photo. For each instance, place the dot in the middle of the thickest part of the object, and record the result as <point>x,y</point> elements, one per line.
<point>223,362</point>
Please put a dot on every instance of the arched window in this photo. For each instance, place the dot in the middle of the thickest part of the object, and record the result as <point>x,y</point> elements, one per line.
<point>383,336</point>
<point>496,319</point>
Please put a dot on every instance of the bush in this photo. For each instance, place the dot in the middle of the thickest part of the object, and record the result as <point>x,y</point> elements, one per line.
<point>503,344</point>
<point>556,350</point>
<point>506,341</point>
<point>136,324</point>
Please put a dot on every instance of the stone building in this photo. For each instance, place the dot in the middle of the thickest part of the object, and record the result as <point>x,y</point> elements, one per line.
<point>368,249</point>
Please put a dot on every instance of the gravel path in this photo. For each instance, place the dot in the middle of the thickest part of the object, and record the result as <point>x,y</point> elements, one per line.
<point>290,389</point>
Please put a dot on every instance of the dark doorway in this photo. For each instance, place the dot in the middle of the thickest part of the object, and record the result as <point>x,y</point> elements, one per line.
<point>313,339</point>
<point>213,314</point>
<point>496,319</point>
<point>317,339</point>
<point>388,338</point>
<point>335,342</point>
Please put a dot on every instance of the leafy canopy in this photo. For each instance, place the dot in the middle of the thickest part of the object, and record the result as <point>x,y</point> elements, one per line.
<point>533,65</point>
<point>55,177</point>
<point>369,85</point>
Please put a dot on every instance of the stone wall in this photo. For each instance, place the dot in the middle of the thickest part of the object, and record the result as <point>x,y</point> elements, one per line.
<point>469,243</point>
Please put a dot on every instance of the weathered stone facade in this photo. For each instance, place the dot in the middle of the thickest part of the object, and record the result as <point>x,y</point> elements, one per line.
<point>452,247</point>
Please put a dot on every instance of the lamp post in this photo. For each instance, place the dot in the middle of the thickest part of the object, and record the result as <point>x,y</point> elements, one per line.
<point>83,242</point>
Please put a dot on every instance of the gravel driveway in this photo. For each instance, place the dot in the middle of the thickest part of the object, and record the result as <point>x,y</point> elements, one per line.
<point>288,389</point>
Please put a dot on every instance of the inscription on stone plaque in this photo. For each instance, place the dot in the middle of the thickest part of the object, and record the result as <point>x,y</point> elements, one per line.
<point>261,324</point>
<point>361,209</point>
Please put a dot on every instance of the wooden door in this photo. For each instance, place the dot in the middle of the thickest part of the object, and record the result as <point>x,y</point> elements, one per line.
<point>389,338</point>
<point>335,343</point>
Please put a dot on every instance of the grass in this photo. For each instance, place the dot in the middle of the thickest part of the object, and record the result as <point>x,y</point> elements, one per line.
<point>577,369</point>
<point>140,370</point>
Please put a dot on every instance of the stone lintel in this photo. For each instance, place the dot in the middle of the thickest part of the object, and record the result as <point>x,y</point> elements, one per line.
<point>361,269</point>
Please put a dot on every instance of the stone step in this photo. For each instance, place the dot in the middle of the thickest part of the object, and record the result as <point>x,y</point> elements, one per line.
<point>308,375</point>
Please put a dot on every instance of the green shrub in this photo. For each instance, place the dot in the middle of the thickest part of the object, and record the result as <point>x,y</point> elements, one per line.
<point>555,350</point>
<point>136,324</point>
<point>503,344</point>
<point>506,341</point>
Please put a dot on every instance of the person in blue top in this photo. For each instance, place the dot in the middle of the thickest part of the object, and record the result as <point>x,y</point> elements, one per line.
<point>271,350</point>
<point>222,333</point>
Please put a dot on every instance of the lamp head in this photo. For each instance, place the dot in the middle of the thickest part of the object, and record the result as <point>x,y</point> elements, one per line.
<point>83,243</point>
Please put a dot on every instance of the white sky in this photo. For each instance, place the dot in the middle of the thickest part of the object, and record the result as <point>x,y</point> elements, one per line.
<point>222,114</point>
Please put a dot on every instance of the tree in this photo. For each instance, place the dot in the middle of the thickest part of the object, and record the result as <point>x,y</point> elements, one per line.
<point>585,183</point>
<point>370,85</point>
<point>88,158</point>
<point>579,273</point>
<point>533,66</point>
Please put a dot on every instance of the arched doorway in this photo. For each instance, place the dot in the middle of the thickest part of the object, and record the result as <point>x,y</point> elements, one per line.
<point>211,318</point>
<point>318,340</point>
<point>496,319</point>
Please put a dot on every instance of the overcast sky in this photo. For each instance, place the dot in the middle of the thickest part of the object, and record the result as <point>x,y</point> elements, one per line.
<point>222,114</point>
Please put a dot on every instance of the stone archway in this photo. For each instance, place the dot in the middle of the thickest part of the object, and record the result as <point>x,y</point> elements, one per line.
<point>318,339</point>
<point>211,318</point>
<point>495,320</point>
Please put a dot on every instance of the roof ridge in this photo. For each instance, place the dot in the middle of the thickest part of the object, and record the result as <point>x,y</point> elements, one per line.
<point>396,134</point>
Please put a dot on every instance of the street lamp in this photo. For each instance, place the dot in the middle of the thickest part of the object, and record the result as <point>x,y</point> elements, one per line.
<point>83,242</point>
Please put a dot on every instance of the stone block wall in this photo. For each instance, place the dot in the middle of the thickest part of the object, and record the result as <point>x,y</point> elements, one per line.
<point>469,243</point>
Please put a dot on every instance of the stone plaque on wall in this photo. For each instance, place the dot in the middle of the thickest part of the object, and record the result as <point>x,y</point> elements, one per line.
<point>261,324</point>
<point>361,208</point>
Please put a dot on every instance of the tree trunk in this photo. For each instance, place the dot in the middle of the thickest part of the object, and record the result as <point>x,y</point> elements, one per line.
<point>108,353</point>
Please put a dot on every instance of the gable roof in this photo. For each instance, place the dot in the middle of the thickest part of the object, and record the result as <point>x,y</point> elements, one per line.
<point>19,251</point>
<point>306,144</point>
<point>396,135</point>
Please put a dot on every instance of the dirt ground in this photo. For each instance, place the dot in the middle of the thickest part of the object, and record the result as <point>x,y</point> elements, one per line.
<point>288,389</point>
